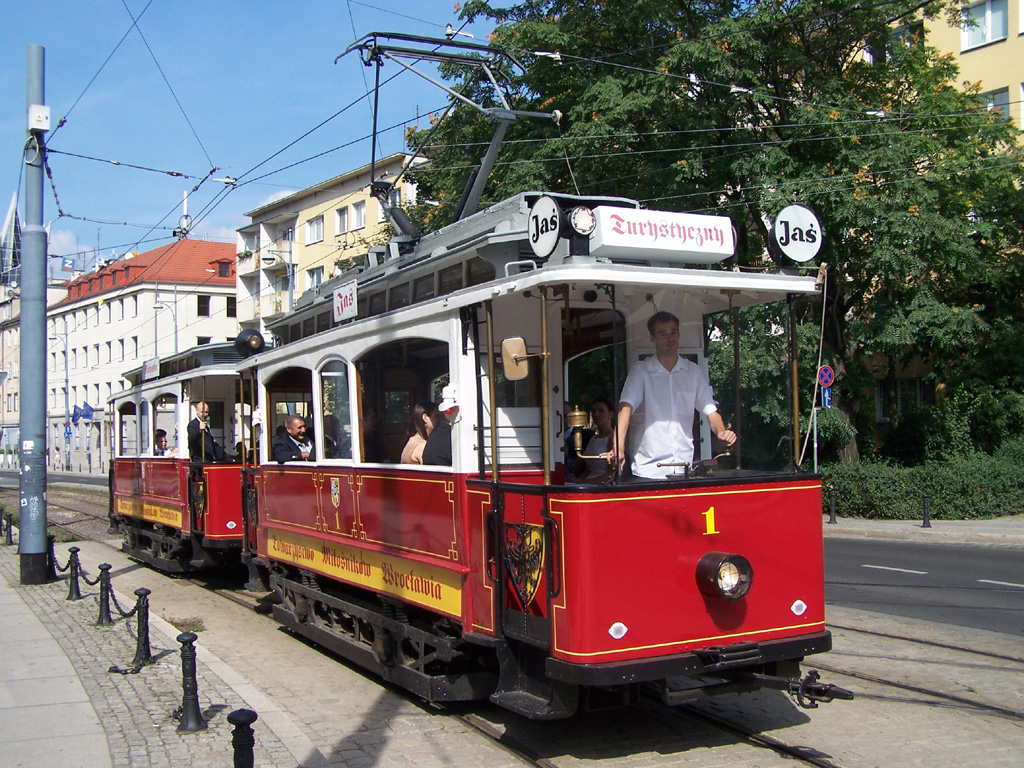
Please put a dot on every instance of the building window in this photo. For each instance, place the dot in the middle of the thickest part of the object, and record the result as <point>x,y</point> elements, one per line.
<point>223,269</point>
<point>341,220</point>
<point>314,277</point>
<point>984,22</point>
<point>315,230</point>
<point>910,393</point>
<point>359,215</point>
<point>998,101</point>
<point>232,307</point>
<point>203,305</point>
<point>200,340</point>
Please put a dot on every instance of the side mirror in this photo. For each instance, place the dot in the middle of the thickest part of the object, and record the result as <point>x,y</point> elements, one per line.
<point>513,359</point>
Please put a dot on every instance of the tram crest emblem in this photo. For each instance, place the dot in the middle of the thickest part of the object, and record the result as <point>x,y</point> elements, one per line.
<point>336,491</point>
<point>524,558</point>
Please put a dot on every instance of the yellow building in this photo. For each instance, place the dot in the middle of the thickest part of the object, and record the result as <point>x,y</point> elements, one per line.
<point>990,52</point>
<point>294,244</point>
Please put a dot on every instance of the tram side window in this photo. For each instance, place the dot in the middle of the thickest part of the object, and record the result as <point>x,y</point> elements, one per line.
<point>290,392</point>
<point>337,419</point>
<point>393,377</point>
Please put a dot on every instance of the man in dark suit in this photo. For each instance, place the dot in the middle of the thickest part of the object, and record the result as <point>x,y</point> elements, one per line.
<point>201,445</point>
<point>293,445</point>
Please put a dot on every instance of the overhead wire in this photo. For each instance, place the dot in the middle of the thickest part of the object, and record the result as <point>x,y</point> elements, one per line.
<point>135,25</point>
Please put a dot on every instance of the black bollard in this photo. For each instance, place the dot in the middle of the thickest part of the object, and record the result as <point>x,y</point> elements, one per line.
<point>143,656</point>
<point>104,619</point>
<point>927,514</point>
<point>51,558</point>
<point>74,591</point>
<point>191,717</point>
<point>242,739</point>
<point>10,523</point>
<point>832,508</point>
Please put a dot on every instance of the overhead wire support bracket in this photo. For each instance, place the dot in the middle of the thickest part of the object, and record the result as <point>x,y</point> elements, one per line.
<point>374,51</point>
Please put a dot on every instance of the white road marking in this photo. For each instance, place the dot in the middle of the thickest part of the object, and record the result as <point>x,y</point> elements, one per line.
<point>1001,583</point>
<point>898,570</point>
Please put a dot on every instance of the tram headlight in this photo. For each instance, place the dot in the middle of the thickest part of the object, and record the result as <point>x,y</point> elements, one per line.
<point>723,575</point>
<point>249,342</point>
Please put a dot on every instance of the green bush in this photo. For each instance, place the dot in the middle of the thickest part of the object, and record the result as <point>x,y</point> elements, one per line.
<point>969,487</point>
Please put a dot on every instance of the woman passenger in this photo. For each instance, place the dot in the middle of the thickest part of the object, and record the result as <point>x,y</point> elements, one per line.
<point>421,424</point>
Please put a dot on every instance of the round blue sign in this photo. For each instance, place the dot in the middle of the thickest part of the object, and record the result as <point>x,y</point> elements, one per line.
<point>826,376</point>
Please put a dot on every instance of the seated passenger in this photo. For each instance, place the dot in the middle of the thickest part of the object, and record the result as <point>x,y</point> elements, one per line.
<point>160,445</point>
<point>593,467</point>
<point>293,445</point>
<point>438,450</point>
<point>422,422</point>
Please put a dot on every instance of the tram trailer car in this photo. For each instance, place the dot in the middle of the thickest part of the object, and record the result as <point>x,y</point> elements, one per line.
<point>175,514</point>
<point>495,578</point>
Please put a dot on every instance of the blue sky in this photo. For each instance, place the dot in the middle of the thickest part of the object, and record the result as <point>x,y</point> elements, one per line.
<point>251,76</point>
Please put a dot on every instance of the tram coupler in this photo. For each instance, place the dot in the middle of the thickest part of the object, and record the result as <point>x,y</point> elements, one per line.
<point>808,691</point>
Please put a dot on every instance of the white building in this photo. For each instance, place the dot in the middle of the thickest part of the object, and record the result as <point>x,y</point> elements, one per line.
<point>113,320</point>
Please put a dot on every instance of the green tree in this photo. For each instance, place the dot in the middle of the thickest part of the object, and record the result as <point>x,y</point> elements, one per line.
<point>741,108</point>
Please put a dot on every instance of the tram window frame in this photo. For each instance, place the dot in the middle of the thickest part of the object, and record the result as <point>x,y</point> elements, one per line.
<point>324,321</point>
<point>377,303</point>
<point>392,377</point>
<point>450,279</point>
<point>399,296</point>
<point>289,391</point>
<point>334,369</point>
<point>423,288</point>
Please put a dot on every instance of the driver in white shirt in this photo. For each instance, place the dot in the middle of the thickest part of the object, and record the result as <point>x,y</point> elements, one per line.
<point>670,388</point>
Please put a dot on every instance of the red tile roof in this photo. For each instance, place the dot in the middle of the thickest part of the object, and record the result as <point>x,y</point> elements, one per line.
<point>184,262</point>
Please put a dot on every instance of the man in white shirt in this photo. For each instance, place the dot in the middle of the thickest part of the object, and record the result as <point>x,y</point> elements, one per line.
<point>670,388</point>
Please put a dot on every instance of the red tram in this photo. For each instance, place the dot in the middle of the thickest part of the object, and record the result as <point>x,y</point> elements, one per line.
<point>176,514</point>
<point>496,577</point>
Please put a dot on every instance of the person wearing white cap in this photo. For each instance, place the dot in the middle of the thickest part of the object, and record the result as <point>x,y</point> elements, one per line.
<point>438,450</point>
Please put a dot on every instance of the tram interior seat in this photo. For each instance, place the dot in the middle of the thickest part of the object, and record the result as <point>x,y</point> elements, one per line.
<point>519,436</point>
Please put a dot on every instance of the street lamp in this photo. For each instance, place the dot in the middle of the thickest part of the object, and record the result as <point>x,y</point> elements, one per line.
<point>67,402</point>
<point>174,319</point>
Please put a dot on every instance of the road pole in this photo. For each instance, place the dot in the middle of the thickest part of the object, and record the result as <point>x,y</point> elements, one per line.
<point>32,543</point>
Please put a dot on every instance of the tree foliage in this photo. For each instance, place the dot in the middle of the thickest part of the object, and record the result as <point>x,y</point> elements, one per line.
<point>741,108</point>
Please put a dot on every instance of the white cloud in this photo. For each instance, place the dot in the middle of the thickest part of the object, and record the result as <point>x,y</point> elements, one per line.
<point>62,242</point>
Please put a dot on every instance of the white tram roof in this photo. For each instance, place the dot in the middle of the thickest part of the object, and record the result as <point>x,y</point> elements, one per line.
<point>166,374</point>
<point>499,237</point>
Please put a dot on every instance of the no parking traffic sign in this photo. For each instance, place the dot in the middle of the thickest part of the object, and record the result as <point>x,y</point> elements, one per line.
<point>826,376</point>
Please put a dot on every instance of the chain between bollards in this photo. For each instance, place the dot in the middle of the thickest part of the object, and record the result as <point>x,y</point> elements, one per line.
<point>189,716</point>
<point>243,739</point>
<point>143,656</point>
<point>927,514</point>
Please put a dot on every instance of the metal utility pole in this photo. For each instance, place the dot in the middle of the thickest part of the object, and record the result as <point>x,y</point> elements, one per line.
<point>32,543</point>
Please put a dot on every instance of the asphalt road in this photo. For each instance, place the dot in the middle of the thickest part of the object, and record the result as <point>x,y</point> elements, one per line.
<point>967,585</point>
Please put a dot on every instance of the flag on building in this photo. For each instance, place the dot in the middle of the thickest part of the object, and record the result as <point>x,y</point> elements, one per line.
<point>76,415</point>
<point>87,412</point>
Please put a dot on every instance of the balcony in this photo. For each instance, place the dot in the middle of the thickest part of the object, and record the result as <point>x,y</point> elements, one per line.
<point>273,305</point>
<point>247,264</point>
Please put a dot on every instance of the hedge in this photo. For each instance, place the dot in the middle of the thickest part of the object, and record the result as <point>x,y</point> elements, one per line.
<point>970,487</point>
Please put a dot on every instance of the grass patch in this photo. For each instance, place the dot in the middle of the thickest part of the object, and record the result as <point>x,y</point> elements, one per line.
<point>188,624</point>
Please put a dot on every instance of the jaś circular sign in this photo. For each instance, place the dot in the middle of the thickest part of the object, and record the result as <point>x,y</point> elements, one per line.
<point>798,233</point>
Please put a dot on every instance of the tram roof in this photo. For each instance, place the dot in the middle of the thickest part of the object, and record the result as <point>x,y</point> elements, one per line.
<point>498,236</point>
<point>219,359</point>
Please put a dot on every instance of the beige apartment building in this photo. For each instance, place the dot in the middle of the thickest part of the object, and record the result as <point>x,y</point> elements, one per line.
<point>990,52</point>
<point>294,244</point>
